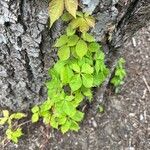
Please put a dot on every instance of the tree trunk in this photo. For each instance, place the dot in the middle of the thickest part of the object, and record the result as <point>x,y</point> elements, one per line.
<point>26,50</point>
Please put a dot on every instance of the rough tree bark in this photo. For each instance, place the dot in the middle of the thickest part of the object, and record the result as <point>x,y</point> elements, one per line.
<point>26,43</point>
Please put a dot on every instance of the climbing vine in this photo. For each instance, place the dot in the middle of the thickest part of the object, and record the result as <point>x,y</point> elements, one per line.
<point>80,67</point>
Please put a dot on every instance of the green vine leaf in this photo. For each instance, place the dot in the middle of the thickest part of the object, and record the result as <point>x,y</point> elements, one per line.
<point>65,127</point>
<point>68,108</point>
<point>86,68</point>
<point>64,52</point>
<point>72,41</point>
<point>78,116</point>
<point>81,48</point>
<point>35,117</point>
<point>61,41</point>
<point>76,82</point>
<point>93,47</point>
<point>74,126</point>
<point>87,37</point>
<point>87,80</point>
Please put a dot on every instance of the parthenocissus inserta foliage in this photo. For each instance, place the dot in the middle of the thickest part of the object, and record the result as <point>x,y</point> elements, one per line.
<point>80,67</point>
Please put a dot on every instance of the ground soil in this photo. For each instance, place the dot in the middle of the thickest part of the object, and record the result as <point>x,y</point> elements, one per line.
<point>125,124</point>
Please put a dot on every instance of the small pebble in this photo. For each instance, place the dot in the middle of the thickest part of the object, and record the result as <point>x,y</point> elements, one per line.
<point>94,123</point>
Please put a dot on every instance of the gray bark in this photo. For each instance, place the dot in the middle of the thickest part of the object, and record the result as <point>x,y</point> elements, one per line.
<point>26,43</point>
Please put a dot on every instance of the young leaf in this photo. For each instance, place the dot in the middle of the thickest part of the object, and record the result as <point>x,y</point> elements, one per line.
<point>64,53</point>
<point>16,134</point>
<point>17,116</point>
<point>70,31</point>
<point>87,80</point>
<point>78,116</point>
<point>87,37</point>
<point>81,48</point>
<point>69,98</point>
<point>3,121</point>
<point>87,92</point>
<point>65,127</point>
<point>74,126</point>
<point>99,78</point>
<point>62,120</point>
<point>75,67</point>
<point>66,74</point>
<point>83,27</point>
<point>35,117</point>
<point>72,41</point>
<point>90,21</point>
<point>86,68</point>
<point>35,109</point>
<point>68,108</point>
<point>61,41</point>
<point>80,14</point>
<point>100,55</point>
<point>66,17</point>
<point>71,7</point>
<point>93,47</point>
<point>56,8</point>
<point>75,82</point>
<point>101,108</point>
<point>53,122</point>
<point>46,105</point>
<point>5,113</point>
<point>46,117</point>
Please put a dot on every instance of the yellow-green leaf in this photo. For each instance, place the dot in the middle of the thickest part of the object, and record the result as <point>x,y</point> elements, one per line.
<point>61,41</point>
<point>56,8</point>
<point>86,68</point>
<point>65,127</point>
<point>87,80</point>
<point>6,113</point>
<point>71,7</point>
<point>90,21</point>
<point>81,48</point>
<point>64,52</point>
<point>35,117</point>
<point>75,82</point>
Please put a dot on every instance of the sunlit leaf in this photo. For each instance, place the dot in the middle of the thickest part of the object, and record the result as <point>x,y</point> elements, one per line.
<point>87,80</point>
<point>75,82</point>
<point>35,117</point>
<point>71,7</point>
<point>61,41</point>
<point>81,48</point>
<point>56,8</point>
<point>64,52</point>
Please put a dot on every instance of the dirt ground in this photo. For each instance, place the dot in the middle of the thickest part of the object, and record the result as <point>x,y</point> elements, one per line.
<point>125,125</point>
